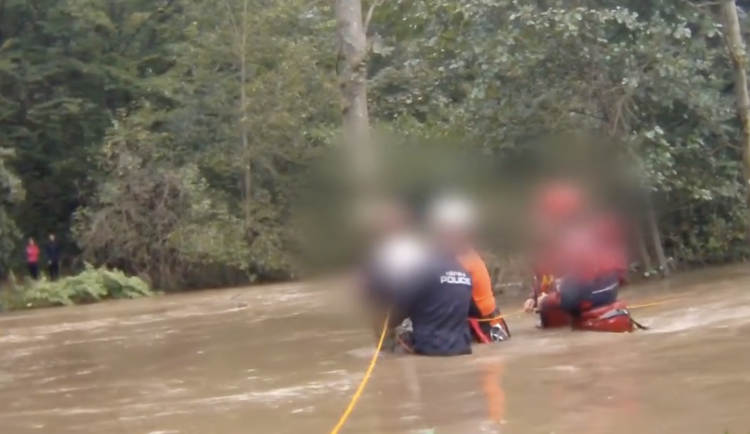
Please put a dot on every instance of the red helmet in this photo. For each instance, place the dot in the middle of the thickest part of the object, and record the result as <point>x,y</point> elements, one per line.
<point>559,201</point>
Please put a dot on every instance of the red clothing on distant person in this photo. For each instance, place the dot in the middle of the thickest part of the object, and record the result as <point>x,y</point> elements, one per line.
<point>32,253</point>
<point>582,251</point>
<point>614,246</point>
<point>573,242</point>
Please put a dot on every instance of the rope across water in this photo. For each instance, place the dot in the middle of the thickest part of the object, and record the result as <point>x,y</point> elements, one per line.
<point>368,373</point>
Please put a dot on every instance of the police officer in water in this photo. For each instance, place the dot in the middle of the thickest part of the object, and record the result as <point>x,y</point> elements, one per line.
<point>425,282</point>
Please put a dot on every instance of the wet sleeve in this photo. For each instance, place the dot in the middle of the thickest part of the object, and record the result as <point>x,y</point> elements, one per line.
<point>378,287</point>
<point>397,317</point>
<point>481,289</point>
<point>398,314</point>
<point>406,296</point>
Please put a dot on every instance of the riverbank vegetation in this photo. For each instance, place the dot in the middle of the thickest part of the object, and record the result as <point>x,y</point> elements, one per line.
<point>172,139</point>
<point>90,286</point>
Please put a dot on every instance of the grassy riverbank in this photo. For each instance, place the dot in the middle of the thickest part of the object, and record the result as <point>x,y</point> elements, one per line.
<point>90,286</point>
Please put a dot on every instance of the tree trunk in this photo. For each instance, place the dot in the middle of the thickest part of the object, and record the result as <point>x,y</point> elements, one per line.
<point>653,227</point>
<point>736,48</point>
<point>246,157</point>
<point>352,70</point>
<point>642,250</point>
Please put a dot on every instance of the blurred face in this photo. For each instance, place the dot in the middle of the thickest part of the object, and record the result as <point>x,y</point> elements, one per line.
<point>52,237</point>
<point>393,218</point>
<point>452,239</point>
<point>452,220</point>
<point>546,229</point>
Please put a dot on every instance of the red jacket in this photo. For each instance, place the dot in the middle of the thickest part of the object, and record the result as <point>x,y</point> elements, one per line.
<point>32,253</point>
<point>614,246</point>
<point>585,251</point>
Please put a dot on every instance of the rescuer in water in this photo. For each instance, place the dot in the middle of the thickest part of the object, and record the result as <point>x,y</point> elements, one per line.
<point>578,266</point>
<point>427,285</point>
<point>452,221</point>
<point>395,250</point>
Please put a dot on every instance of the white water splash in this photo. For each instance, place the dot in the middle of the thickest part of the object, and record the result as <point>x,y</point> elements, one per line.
<point>715,315</point>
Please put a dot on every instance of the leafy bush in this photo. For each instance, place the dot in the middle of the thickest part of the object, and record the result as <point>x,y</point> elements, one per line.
<point>90,286</point>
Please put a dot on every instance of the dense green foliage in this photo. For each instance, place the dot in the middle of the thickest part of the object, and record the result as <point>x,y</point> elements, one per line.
<point>171,138</point>
<point>89,286</point>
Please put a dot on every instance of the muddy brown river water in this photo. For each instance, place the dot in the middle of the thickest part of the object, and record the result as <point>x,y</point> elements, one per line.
<point>286,360</point>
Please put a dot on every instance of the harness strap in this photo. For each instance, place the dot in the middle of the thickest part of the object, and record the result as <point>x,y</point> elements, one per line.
<point>613,313</point>
<point>474,324</point>
<point>617,312</point>
<point>639,325</point>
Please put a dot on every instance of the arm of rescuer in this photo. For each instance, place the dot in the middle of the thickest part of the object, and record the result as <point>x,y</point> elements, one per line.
<point>541,282</point>
<point>530,303</point>
<point>369,297</point>
<point>483,305</point>
<point>405,296</point>
<point>381,300</point>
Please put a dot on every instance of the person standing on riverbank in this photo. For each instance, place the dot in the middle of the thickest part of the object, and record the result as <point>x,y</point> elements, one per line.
<point>53,258</point>
<point>32,258</point>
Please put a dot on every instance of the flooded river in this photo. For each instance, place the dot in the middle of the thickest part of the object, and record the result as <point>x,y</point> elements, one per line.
<point>286,359</point>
